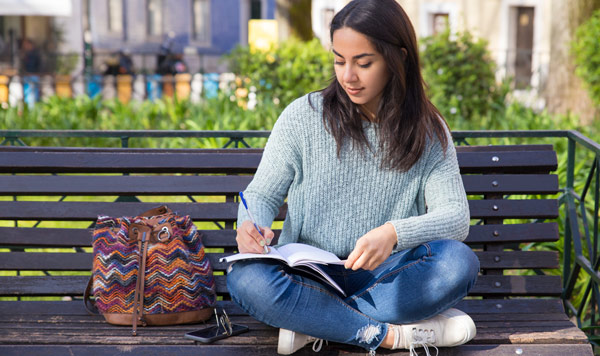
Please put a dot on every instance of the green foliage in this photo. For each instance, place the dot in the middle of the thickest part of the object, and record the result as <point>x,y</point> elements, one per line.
<point>84,113</point>
<point>586,49</point>
<point>66,63</point>
<point>273,80</point>
<point>461,76</point>
<point>284,73</point>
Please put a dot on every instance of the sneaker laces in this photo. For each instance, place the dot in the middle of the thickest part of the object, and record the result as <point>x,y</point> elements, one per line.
<point>422,338</point>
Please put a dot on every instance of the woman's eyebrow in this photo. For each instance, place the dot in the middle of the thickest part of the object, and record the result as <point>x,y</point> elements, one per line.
<point>358,56</point>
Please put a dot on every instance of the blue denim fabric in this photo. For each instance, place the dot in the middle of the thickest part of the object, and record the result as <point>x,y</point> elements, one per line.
<point>409,286</point>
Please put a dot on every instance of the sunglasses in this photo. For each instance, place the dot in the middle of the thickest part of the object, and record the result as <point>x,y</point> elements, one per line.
<point>223,323</point>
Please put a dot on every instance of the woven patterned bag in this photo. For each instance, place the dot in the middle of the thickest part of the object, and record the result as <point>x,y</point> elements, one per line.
<point>150,270</point>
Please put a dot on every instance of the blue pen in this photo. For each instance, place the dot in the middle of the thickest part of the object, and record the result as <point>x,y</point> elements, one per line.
<point>254,221</point>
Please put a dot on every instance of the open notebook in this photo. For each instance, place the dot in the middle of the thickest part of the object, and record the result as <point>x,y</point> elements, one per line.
<point>301,256</point>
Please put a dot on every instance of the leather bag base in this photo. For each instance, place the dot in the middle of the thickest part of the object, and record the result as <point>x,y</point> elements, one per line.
<point>188,317</point>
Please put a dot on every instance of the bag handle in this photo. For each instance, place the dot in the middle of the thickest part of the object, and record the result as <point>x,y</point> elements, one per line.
<point>90,304</point>
<point>138,303</point>
<point>160,210</point>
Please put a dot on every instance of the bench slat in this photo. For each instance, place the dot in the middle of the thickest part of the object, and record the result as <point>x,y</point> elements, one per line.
<point>74,285</point>
<point>122,185</point>
<point>64,261</point>
<point>490,286</point>
<point>69,237</point>
<point>459,149</point>
<point>507,162</point>
<point>490,309</point>
<point>23,210</point>
<point>483,321</point>
<point>261,347</point>
<point>518,259</point>
<point>495,321</point>
<point>60,317</point>
<point>46,261</point>
<point>514,209</point>
<point>235,161</point>
<point>49,324</point>
<point>217,185</point>
<point>89,211</point>
<point>511,184</point>
<point>118,162</point>
<point>499,307</point>
<point>117,150</point>
<point>507,233</point>
<point>517,285</point>
<point>505,148</point>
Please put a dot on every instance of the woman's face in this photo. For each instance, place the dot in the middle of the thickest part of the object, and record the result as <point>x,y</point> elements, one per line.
<point>359,68</point>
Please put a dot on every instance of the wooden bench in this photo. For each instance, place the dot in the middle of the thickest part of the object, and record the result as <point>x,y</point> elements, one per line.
<point>55,194</point>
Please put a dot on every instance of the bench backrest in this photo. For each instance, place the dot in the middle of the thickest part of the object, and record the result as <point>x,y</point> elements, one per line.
<point>50,197</point>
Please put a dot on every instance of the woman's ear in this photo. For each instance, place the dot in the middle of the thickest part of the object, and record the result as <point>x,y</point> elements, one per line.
<point>404,53</point>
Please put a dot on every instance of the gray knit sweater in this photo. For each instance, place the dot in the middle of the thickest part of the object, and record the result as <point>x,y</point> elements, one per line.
<point>333,201</point>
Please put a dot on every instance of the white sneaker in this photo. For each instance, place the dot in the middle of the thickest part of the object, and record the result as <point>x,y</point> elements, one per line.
<point>291,341</point>
<point>449,328</point>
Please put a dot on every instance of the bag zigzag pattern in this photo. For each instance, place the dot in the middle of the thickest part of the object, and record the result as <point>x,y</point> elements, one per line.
<point>177,272</point>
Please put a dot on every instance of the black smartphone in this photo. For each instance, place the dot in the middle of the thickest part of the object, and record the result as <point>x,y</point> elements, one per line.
<point>214,333</point>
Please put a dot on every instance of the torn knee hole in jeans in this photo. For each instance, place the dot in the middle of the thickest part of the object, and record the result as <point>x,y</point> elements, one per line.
<point>368,333</point>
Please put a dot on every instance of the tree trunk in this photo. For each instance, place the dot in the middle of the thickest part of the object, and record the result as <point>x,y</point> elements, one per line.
<point>294,19</point>
<point>564,91</point>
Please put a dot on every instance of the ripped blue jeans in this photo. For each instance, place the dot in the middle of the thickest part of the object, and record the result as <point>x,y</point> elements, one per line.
<point>409,286</point>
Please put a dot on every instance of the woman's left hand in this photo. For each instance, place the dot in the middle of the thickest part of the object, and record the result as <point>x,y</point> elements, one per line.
<point>373,248</point>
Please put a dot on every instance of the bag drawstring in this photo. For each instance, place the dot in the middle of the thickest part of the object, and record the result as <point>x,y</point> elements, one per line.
<point>138,303</point>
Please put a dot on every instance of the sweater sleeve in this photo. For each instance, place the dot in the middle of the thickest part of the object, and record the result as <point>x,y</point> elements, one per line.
<point>280,164</point>
<point>447,210</point>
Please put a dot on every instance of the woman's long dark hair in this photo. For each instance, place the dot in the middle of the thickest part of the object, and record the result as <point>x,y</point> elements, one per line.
<point>406,117</point>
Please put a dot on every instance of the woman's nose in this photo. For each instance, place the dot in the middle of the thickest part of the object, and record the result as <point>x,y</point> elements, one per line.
<point>349,74</point>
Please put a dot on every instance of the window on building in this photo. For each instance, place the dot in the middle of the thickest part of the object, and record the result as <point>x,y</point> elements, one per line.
<point>326,17</point>
<point>201,20</point>
<point>440,23</point>
<point>255,9</point>
<point>523,46</point>
<point>115,16</point>
<point>4,42</point>
<point>154,16</point>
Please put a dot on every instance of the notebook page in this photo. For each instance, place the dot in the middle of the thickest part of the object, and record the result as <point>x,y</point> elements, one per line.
<point>297,253</point>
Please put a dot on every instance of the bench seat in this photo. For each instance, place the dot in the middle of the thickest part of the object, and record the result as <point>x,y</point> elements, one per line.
<point>49,198</point>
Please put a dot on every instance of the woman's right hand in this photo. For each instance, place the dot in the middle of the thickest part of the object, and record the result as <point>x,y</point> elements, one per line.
<point>250,241</point>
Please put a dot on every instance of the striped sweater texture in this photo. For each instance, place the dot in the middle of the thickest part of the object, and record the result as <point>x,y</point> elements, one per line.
<point>333,201</point>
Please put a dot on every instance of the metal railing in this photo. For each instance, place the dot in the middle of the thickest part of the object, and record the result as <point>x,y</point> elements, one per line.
<point>580,201</point>
<point>579,197</point>
<point>235,138</point>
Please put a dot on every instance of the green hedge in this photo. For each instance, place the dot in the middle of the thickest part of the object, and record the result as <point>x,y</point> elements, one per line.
<point>461,77</point>
<point>586,49</point>
<point>284,73</point>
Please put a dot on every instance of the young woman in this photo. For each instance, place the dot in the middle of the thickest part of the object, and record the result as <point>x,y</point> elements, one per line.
<point>370,174</point>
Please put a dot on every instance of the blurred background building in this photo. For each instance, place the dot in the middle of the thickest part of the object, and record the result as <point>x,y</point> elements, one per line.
<point>200,30</point>
<point>39,26</point>
<point>528,39</point>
